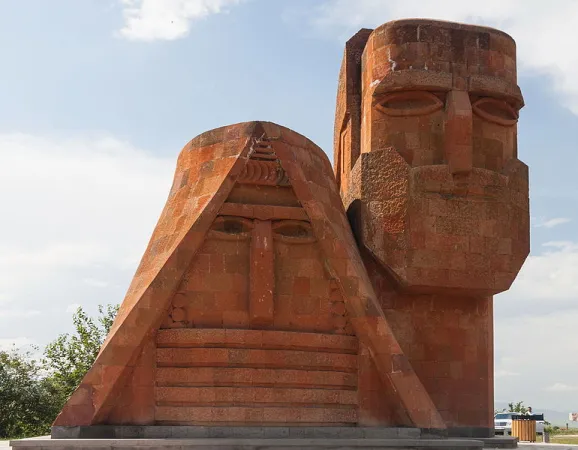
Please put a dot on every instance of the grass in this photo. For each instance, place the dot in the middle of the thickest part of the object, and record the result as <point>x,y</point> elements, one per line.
<point>561,439</point>
<point>557,439</point>
<point>561,436</point>
<point>563,431</point>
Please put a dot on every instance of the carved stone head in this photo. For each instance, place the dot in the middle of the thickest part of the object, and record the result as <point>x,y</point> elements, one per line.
<point>442,196</point>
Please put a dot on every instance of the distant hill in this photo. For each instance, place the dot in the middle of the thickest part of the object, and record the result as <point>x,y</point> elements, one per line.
<point>554,417</point>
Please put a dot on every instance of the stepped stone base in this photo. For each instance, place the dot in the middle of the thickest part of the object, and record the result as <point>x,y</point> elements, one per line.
<point>108,437</point>
<point>246,444</point>
<point>194,432</point>
<point>275,432</point>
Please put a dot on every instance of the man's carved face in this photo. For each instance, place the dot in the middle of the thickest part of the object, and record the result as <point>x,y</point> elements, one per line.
<point>440,108</point>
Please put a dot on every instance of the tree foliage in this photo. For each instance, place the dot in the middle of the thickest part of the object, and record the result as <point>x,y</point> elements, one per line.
<point>518,407</point>
<point>33,391</point>
<point>70,356</point>
<point>26,396</point>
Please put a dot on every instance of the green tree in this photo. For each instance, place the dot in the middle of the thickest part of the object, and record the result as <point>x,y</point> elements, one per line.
<point>32,392</point>
<point>517,407</point>
<point>28,400</point>
<point>70,356</point>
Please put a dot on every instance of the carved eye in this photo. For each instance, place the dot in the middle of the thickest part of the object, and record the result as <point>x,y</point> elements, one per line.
<point>414,103</point>
<point>231,226</point>
<point>496,111</point>
<point>295,231</point>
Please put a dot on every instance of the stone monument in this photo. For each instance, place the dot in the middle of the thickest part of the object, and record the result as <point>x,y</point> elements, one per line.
<point>425,154</point>
<point>279,293</point>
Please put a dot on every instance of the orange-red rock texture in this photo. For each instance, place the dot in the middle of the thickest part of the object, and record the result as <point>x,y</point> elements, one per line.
<point>277,290</point>
<point>426,160</point>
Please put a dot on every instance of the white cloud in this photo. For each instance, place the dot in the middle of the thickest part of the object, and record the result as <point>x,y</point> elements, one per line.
<point>96,283</point>
<point>72,308</point>
<point>545,34</point>
<point>54,254</point>
<point>150,20</point>
<point>535,330</point>
<point>547,282</point>
<point>539,348</point>
<point>14,313</point>
<point>75,212</point>
<point>561,387</point>
<point>551,223</point>
<point>501,373</point>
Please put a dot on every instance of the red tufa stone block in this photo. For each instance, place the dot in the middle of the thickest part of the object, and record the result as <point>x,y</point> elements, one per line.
<point>301,286</point>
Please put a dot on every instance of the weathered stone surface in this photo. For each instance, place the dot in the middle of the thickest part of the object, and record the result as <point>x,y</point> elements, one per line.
<point>436,196</point>
<point>255,305</point>
<point>268,432</point>
<point>245,443</point>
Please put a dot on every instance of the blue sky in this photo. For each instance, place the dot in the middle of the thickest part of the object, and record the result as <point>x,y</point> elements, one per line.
<point>97,97</point>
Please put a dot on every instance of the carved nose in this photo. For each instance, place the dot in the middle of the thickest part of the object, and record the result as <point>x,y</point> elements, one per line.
<point>262,275</point>
<point>458,133</point>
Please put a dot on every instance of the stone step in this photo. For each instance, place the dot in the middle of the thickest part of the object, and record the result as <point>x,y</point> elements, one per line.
<point>227,357</point>
<point>270,432</point>
<point>256,339</point>
<point>262,156</point>
<point>240,376</point>
<point>244,444</point>
<point>252,395</point>
<point>238,415</point>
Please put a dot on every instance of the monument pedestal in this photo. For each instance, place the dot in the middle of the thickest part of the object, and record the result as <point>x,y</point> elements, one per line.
<point>198,437</point>
<point>244,443</point>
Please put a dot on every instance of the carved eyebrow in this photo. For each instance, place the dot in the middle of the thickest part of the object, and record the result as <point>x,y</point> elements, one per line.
<point>413,80</point>
<point>420,80</point>
<point>493,87</point>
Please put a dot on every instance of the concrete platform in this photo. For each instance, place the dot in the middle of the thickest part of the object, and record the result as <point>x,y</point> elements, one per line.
<point>549,446</point>
<point>223,438</point>
<point>223,432</point>
<point>196,432</point>
<point>245,444</point>
<point>499,442</point>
